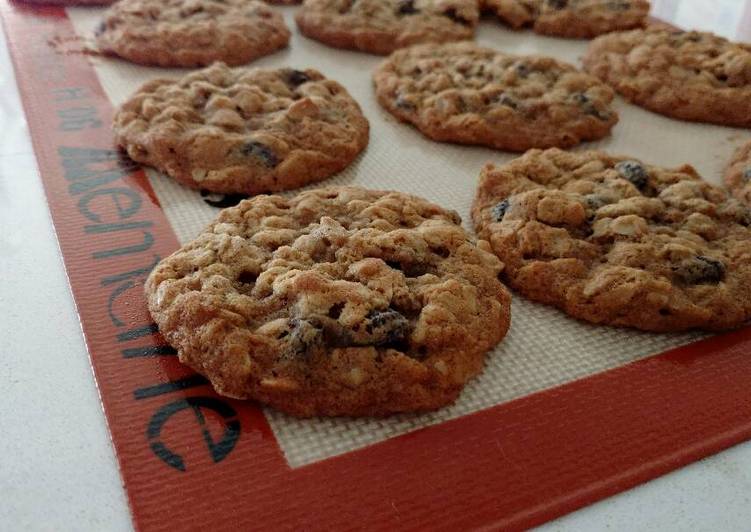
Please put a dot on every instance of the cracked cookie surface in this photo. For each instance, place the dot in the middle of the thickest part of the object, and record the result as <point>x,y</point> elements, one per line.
<point>615,241</point>
<point>738,174</point>
<point>382,26</point>
<point>339,301</point>
<point>244,130</point>
<point>687,75</point>
<point>460,92</point>
<point>191,33</point>
<point>571,18</point>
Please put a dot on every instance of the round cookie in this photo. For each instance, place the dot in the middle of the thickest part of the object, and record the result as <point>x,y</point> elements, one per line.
<point>190,33</point>
<point>571,18</point>
<point>688,75</point>
<point>339,301</point>
<point>245,130</point>
<point>615,241</point>
<point>738,174</point>
<point>382,26</point>
<point>460,92</point>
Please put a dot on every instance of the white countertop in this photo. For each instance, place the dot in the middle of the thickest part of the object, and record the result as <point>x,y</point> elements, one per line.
<point>57,466</point>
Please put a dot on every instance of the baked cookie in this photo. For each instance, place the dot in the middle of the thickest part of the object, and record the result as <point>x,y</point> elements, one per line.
<point>339,301</point>
<point>382,26</point>
<point>571,18</point>
<point>460,92</point>
<point>738,174</point>
<point>190,33</point>
<point>687,75</point>
<point>244,130</point>
<point>615,241</point>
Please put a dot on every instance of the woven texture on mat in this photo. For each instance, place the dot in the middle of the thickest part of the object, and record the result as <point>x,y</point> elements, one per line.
<point>544,348</point>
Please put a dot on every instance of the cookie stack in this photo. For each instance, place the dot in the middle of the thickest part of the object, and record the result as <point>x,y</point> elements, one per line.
<point>347,301</point>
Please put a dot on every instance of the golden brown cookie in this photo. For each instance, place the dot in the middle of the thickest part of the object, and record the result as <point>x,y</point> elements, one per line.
<point>738,174</point>
<point>245,130</point>
<point>382,26</point>
<point>615,241</point>
<point>460,92</point>
<point>687,75</point>
<point>339,301</point>
<point>191,33</point>
<point>571,18</point>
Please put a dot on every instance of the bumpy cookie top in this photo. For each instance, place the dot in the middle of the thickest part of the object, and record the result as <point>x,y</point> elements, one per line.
<point>616,241</point>
<point>738,174</point>
<point>340,301</point>
<point>243,130</point>
<point>688,75</point>
<point>382,26</point>
<point>460,92</point>
<point>571,18</point>
<point>191,33</point>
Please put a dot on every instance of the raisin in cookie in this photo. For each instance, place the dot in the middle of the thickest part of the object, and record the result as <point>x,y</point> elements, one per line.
<point>339,301</point>
<point>460,92</point>
<point>687,75</point>
<point>190,33</point>
<point>382,26</point>
<point>244,130</point>
<point>615,241</point>
<point>738,174</point>
<point>571,18</point>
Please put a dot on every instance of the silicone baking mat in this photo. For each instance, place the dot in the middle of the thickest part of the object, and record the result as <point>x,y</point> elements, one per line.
<point>564,414</point>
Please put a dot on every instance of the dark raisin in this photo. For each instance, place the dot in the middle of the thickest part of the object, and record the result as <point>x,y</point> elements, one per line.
<point>557,4</point>
<point>409,269</point>
<point>295,78</point>
<point>262,152</point>
<point>700,270</point>
<point>508,101</point>
<point>453,15</point>
<point>406,7</point>
<point>386,327</point>
<point>744,217</point>
<point>101,28</point>
<point>588,106</point>
<point>441,251</point>
<point>336,310</point>
<point>747,175</point>
<point>405,104</point>
<point>304,336</point>
<point>499,211</point>
<point>522,70</point>
<point>221,201</point>
<point>634,172</point>
<point>595,201</point>
<point>247,277</point>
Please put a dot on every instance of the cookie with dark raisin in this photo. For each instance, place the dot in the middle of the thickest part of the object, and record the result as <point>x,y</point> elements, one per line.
<point>688,75</point>
<point>243,131</point>
<point>382,26</point>
<point>738,174</point>
<point>339,301</point>
<point>616,241</point>
<point>571,18</point>
<point>191,33</point>
<point>464,93</point>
